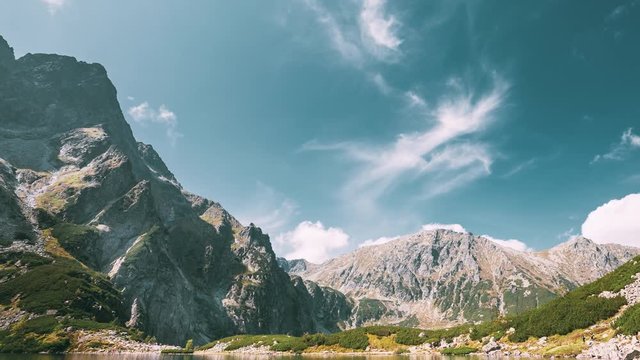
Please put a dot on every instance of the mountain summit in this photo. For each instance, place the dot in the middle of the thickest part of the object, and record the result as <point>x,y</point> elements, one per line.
<point>78,189</point>
<point>439,277</point>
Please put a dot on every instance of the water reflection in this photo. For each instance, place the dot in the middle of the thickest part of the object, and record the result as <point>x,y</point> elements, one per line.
<point>228,357</point>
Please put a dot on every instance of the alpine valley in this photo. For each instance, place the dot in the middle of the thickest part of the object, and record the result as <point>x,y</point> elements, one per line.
<point>98,236</point>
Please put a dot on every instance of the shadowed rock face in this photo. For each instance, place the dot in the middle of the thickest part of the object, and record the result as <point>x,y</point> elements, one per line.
<point>185,267</point>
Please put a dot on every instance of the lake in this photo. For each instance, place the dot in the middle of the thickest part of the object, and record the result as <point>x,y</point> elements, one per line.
<point>222,357</point>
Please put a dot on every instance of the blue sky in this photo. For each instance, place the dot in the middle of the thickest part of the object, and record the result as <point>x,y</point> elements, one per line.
<point>333,123</point>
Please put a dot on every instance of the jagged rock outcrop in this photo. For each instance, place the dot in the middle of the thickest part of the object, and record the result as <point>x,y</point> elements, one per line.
<point>71,169</point>
<point>295,266</point>
<point>439,277</point>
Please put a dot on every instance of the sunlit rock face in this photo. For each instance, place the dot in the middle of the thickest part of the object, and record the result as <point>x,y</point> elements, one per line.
<point>440,277</point>
<point>72,168</point>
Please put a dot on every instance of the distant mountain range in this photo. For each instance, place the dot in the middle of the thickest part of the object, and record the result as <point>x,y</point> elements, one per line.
<point>441,277</point>
<point>94,226</point>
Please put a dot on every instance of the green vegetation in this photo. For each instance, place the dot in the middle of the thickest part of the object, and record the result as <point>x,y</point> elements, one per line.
<point>187,349</point>
<point>176,351</point>
<point>353,339</point>
<point>387,338</point>
<point>47,334</point>
<point>463,350</point>
<point>578,309</point>
<point>64,286</point>
<point>560,319</point>
<point>78,240</point>
<point>629,322</point>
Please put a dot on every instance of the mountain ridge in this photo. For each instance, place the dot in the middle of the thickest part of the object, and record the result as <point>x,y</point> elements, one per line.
<point>421,276</point>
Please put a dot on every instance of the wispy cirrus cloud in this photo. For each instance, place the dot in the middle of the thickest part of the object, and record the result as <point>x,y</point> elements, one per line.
<point>145,114</point>
<point>379,30</point>
<point>269,209</point>
<point>54,5</point>
<point>628,142</point>
<point>372,37</point>
<point>439,156</point>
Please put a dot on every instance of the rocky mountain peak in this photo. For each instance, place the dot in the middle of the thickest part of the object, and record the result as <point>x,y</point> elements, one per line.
<point>6,52</point>
<point>72,173</point>
<point>439,276</point>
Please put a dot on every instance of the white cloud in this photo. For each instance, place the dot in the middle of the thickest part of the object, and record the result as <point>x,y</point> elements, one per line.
<point>378,29</point>
<point>415,100</point>
<point>510,243</point>
<point>438,156</point>
<point>617,221</point>
<point>54,5</point>
<point>381,83</point>
<point>269,210</point>
<point>312,241</point>
<point>378,241</point>
<point>373,37</point>
<point>341,42</point>
<point>520,167</point>
<point>567,234</point>
<point>437,226</point>
<point>628,142</point>
<point>144,114</point>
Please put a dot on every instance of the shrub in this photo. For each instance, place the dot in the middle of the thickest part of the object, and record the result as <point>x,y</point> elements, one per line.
<point>409,336</point>
<point>294,344</point>
<point>494,328</point>
<point>64,285</point>
<point>189,345</point>
<point>353,339</point>
<point>564,315</point>
<point>629,322</point>
<point>381,330</point>
<point>463,350</point>
<point>315,339</point>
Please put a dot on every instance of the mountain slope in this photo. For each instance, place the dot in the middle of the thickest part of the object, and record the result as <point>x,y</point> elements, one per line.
<point>440,277</point>
<point>72,174</point>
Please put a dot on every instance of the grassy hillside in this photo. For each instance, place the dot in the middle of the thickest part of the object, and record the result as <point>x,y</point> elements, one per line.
<point>54,293</point>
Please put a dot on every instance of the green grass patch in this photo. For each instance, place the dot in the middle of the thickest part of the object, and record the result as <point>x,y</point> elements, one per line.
<point>78,240</point>
<point>463,350</point>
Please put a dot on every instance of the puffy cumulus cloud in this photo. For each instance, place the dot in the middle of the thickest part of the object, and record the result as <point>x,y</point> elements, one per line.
<point>145,114</point>
<point>437,226</point>
<point>628,142</point>
<point>617,221</point>
<point>312,241</point>
<point>510,243</point>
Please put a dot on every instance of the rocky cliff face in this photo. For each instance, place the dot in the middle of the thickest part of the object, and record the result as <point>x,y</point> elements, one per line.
<point>72,175</point>
<point>440,277</point>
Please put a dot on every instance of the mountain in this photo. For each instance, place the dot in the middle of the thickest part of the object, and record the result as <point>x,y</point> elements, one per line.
<point>295,266</point>
<point>440,277</point>
<point>105,230</point>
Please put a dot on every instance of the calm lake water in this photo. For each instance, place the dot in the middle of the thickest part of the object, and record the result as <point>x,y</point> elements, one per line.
<point>221,357</point>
